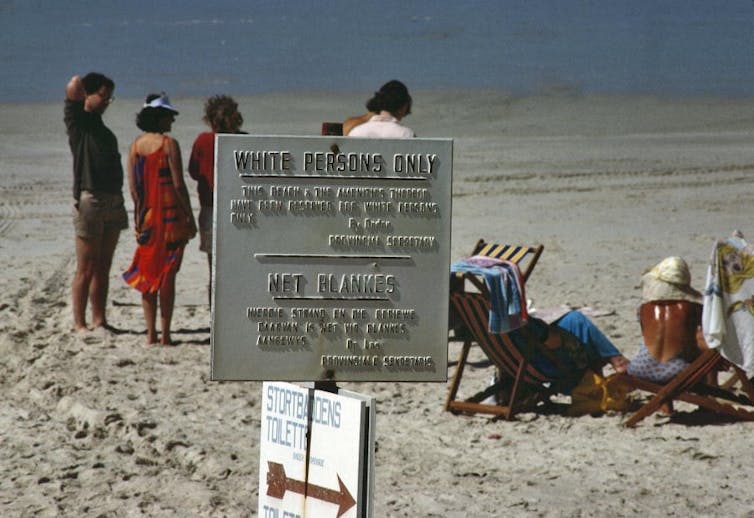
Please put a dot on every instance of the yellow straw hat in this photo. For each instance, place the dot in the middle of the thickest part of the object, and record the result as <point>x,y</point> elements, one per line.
<point>669,280</point>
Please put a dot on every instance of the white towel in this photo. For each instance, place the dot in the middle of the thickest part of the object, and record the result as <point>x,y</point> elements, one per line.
<point>728,315</point>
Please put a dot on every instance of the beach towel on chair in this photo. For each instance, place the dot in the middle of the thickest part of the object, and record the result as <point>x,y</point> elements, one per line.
<point>505,284</point>
<point>728,314</point>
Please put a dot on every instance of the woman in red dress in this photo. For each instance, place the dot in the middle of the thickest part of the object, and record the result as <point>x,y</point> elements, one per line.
<point>162,210</point>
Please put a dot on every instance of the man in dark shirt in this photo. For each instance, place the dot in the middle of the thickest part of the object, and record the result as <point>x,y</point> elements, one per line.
<point>99,213</point>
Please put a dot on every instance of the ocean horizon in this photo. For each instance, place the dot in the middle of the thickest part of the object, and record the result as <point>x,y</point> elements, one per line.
<point>191,48</point>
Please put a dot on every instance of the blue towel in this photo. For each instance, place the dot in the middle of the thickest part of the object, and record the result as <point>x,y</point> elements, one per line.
<point>503,279</point>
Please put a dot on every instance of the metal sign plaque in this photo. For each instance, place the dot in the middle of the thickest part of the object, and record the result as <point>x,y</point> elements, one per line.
<point>331,258</point>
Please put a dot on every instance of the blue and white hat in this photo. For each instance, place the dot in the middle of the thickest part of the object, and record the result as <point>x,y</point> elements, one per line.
<point>161,102</point>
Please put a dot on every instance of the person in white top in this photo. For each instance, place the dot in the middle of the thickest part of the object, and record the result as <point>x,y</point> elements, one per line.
<point>386,109</point>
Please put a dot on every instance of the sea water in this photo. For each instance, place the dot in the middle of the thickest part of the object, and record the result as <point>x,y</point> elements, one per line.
<point>679,47</point>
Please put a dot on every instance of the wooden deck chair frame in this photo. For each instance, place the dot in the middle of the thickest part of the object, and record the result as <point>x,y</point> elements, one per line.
<point>513,368</point>
<point>525,257</point>
<point>688,386</point>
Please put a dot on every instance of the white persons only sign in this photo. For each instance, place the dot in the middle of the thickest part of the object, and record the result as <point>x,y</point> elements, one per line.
<point>331,258</point>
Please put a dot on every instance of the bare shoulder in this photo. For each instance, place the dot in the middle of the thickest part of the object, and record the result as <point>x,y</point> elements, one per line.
<point>354,121</point>
<point>172,147</point>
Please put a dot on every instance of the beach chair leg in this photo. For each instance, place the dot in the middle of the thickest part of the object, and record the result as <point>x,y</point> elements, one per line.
<point>512,401</point>
<point>746,384</point>
<point>457,376</point>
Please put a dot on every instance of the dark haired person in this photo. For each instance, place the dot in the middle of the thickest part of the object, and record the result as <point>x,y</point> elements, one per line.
<point>162,210</point>
<point>222,116</point>
<point>98,211</point>
<point>389,105</point>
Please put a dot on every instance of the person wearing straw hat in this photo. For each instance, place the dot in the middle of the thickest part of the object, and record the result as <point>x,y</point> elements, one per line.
<point>671,327</point>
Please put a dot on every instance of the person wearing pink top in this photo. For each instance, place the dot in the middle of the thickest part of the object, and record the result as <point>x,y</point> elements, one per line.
<point>389,105</point>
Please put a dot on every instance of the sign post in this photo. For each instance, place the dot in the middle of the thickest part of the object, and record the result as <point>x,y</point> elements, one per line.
<point>331,263</point>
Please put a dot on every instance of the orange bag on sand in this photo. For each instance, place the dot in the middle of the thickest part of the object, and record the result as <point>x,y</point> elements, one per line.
<point>596,394</point>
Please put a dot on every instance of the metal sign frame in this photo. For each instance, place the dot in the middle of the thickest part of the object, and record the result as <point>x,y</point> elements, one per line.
<point>331,258</point>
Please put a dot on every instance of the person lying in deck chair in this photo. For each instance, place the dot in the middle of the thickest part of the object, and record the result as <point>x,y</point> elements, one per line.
<point>562,349</point>
<point>572,344</point>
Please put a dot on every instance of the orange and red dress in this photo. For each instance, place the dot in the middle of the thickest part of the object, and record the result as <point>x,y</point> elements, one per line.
<point>161,229</point>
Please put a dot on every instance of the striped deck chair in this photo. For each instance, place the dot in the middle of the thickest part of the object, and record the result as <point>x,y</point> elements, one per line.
<point>523,385</point>
<point>513,253</point>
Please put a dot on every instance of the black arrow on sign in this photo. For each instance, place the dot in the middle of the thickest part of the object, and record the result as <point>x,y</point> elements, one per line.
<point>278,483</point>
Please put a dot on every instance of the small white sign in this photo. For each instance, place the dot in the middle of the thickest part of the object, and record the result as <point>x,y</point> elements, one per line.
<point>328,475</point>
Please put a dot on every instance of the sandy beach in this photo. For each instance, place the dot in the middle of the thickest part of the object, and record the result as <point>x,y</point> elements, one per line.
<point>99,425</point>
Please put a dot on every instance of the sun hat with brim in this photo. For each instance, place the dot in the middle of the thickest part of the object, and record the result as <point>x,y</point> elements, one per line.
<point>669,280</point>
<point>161,102</point>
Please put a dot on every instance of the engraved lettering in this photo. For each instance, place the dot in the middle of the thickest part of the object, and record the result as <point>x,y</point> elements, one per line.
<point>414,164</point>
<point>354,241</point>
<point>301,206</point>
<point>408,362</point>
<point>277,191</point>
<point>418,207</point>
<point>320,162</point>
<point>390,328</point>
<point>409,193</point>
<point>352,360</point>
<point>395,314</point>
<point>377,225</point>
<point>361,192</point>
<point>246,219</point>
<point>419,242</point>
<point>252,191</point>
<point>348,207</point>
<point>356,283</point>
<point>271,206</point>
<point>308,313</point>
<point>277,327</point>
<point>264,312</point>
<point>378,207</point>
<point>262,161</point>
<point>284,282</point>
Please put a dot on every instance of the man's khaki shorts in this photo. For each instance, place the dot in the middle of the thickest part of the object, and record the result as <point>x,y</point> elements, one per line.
<point>97,213</point>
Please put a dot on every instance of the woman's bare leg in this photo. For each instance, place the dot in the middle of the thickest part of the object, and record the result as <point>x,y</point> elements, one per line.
<point>149,304</point>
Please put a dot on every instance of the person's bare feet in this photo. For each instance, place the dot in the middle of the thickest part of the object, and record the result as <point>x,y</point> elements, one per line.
<point>619,363</point>
<point>81,329</point>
